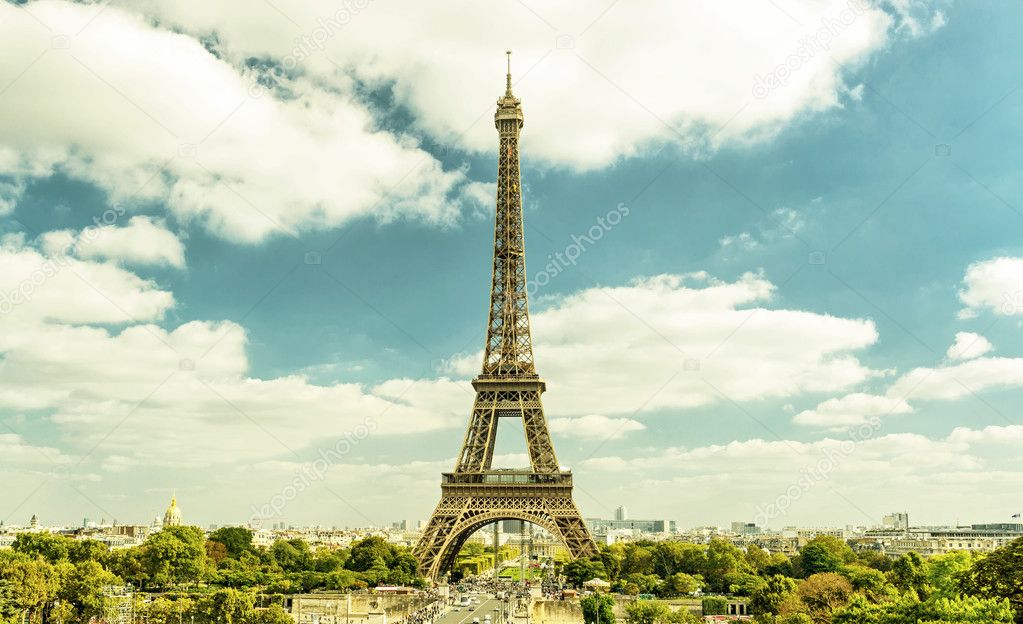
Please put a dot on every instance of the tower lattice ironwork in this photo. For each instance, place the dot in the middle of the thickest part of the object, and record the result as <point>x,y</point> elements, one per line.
<point>476,494</point>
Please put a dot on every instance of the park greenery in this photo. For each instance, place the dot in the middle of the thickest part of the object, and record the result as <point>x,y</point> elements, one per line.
<point>180,574</point>
<point>826,583</point>
<point>192,578</point>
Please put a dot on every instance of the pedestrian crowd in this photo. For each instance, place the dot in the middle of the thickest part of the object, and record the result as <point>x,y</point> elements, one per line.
<point>424,615</point>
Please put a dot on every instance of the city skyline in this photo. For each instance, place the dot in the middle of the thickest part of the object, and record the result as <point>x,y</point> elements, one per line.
<point>247,258</point>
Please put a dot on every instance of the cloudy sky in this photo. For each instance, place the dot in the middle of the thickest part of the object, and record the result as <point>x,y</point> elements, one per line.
<point>774,248</point>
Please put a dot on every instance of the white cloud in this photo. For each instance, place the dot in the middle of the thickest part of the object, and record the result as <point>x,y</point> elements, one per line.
<point>671,342</point>
<point>16,450</point>
<point>10,193</point>
<point>35,287</point>
<point>959,380</point>
<point>173,397</point>
<point>143,241</point>
<point>743,241</point>
<point>833,481</point>
<point>594,426</point>
<point>994,285</point>
<point>872,477</point>
<point>186,391</point>
<point>596,87</point>
<point>967,346</point>
<point>156,116</point>
<point>1011,435</point>
<point>852,409</point>
<point>965,373</point>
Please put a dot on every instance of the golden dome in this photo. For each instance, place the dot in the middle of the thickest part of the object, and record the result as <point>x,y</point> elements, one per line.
<point>172,517</point>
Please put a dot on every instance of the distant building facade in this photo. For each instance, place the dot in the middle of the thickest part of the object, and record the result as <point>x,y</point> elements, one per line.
<point>601,526</point>
<point>898,521</point>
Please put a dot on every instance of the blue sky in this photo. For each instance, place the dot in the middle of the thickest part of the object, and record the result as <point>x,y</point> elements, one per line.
<point>769,324</point>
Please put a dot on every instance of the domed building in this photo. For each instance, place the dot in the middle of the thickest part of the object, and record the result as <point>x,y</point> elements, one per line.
<point>172,517</point>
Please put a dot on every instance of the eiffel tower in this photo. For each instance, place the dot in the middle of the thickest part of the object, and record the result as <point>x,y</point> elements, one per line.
<point>476,494</point>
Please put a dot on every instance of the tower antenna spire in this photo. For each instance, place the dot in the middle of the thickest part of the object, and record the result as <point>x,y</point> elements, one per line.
<point>508,90</point>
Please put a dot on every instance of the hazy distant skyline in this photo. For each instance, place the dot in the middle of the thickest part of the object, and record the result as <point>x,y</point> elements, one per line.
<point>774,252</point>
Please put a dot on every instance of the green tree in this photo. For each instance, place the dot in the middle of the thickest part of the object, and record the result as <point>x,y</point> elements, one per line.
<point>909,573</point>
<point>598,609</point>
<point>723,558</point>
<point>944,572</point>
<point>164,610</point>
<point>51,547</point>
<point>714,605</point>
<point>909,610</point>
<point>743,583</point>
<point>612,558</point>
<point>823,593</point>
<point>81,587</point>
<point>874,559</point>
<point>236,540</point>
<point>757,558</point>
<point>580,570</point>
<point>999,575</point>
<point>680,583</point>
<point>215,551</point>
<point>768,598</point>
<point>225,606</point>
<point>366,553</point>
<point>673,557</point>
<point>871,583</point>
<point>638,559</point>
<point>682,615</point>
<point>778,564</point>
<point>817,559</point>
<point>291,555</point>
<point>174,555</point>
<point>330,560</point>
<point>645,583</point>
<point>824,553</point>
<point>87,550</point>
<point>128,564</point>
<point>646,612</point>
<point>274,614</point>
<point>29,586</point>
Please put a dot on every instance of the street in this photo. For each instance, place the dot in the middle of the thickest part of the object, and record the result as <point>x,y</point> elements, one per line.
<point>465,615</point>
